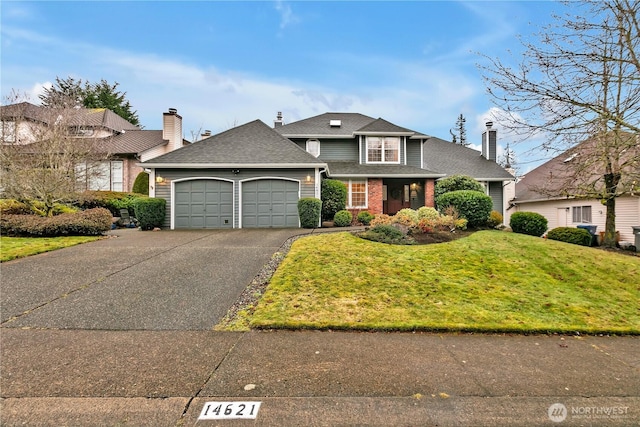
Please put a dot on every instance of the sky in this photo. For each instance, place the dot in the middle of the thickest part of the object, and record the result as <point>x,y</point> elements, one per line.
<point>223,64</point>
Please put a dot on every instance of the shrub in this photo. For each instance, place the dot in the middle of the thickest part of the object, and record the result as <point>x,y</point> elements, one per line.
<point>386,234</point>
<point>149,212</point>
<point>407,217</point>
<point>334,198</point>
<point>13,207</point>
<point>495,219</point>
<point>530,223</point>
<point>428,212</point>
<point>309,212</point>
<point>141,184</point>
<point>342,218</point>
<point>91,222</point>
<point>457,183</point>
<point>577,236</point>
<point>365,217</point>
<point>112,200</point>
<point>471,205</point>
<point>381,219</point>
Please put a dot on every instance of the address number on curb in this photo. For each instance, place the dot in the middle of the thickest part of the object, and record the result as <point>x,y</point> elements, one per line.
<point>229,410</point>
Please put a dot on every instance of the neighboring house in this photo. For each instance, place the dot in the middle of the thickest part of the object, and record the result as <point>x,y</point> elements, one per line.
<point>549,189</point>
<point>253,175</point>
<point>122,143</point>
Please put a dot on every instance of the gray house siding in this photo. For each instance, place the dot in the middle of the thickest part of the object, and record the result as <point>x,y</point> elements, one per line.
<point>333,149</point>
<point>414,153</point>
<point>307,189</point>
<point>495,192</point>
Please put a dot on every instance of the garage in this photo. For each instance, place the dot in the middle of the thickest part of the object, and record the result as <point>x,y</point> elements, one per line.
<point>203,203</point>
<point>270,203</point>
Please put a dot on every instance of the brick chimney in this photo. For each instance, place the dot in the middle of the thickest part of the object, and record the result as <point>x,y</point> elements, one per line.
<point>489,141</point>
<point>278,121</point>
<point>172,129</point>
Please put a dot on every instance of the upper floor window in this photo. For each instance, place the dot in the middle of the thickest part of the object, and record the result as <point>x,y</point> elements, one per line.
<point>80,131</point>
<point>313,147</point>
<point>385,149</point>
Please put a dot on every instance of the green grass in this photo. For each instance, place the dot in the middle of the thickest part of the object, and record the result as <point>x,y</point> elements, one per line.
<point>19,247</point>
<point>490,281</point>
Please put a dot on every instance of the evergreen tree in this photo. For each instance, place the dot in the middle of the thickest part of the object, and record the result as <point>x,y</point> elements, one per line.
<point>460,134</point>
<point>70,93</point>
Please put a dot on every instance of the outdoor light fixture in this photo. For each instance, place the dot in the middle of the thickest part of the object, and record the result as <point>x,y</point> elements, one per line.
<point>308,180</point>
<point>159,180</point>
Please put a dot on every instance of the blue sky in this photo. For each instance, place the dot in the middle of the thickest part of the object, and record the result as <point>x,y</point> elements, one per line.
<point>226,63</point>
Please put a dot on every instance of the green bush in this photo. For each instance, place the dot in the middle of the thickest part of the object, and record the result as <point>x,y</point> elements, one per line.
<point>386,234</point>
<point>365,217</point>
<point>577,236</point>
<point>530,223</point>
<point>495,219</point>
<point>91,222</point>
<point>334,198</point>
<point>149,212</point>
<point>407,217</point>
<point>112,200</point>
<point>342,218</point>
<point>141,184</point>
<point>14,207</point>
<point>473,206</point>
<point>428,213</point>
<point>309,212</point>
<point>457,183</point>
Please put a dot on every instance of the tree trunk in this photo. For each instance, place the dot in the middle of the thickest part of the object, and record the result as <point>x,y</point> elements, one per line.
<point>611,183</point>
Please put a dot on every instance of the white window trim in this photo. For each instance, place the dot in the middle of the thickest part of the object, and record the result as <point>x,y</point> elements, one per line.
<point>582,216</point>
<point>349,193</point>
<point>396,162</point>
<point>307,146</point>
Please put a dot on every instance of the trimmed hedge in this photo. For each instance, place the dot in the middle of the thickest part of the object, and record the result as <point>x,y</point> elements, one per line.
<point>91,222</point>
<point>365,217</point>
<point>309,212</point>
<point>577,236</point>
<point>112,200</point>
<point>457,183</point>
<point>342,218</point>
<point>530,223</point>
<point>149,212</point>
<point>471,205</point>
<point>334,198</point>
<point>141,184</point>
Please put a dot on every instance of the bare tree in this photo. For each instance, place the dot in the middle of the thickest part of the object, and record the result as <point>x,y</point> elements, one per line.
<point>579,82</point>
<point>45,153</point>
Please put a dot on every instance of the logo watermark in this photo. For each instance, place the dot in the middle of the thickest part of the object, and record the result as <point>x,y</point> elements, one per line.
<point>558,412</point>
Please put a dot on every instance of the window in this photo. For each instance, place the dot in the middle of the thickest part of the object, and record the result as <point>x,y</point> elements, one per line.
<point>356,193</point>
<point>101,176</point>
<point>383,149</point>
<point>8,132</point>
<point>581,214</point>
<point>313,147</point>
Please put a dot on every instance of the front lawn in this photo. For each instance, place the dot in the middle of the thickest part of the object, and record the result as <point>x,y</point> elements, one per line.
<point>489,281</point>
<point>19,247</point>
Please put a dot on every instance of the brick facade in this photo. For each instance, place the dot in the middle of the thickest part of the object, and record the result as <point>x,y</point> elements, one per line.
<point>429,192</point>
<point>375,195</point>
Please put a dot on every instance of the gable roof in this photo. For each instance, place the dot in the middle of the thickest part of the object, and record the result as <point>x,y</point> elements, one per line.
<point>102,117</point>
<point>381,126</point>
<point>135,141</point>
<point>455,159</point>
<point>253,144</point>
<point>320,126</point>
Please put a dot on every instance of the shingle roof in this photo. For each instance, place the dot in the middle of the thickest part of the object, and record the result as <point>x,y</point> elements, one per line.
<point>579,170</point>
<point>354,169</point>
<point>24,110</point>
<point>455,159</point>
<point>319,126</point>
<point>135,141</point>
<point>382,126</point>
<point>253,143</point>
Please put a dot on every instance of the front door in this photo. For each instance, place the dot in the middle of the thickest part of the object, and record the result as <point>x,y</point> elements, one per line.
<point>398,196</point>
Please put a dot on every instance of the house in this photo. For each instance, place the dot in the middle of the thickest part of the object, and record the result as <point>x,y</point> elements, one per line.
<point>550,190</point>
<point>254,175</point>
<point>122,144</point>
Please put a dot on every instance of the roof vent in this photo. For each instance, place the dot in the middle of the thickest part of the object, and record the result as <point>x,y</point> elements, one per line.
<point>173,111</point>
<point>335,123</point>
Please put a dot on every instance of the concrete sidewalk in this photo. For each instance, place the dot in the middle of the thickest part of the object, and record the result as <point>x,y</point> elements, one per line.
<point>164,378</point>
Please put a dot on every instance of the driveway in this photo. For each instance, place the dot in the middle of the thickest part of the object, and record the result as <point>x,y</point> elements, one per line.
<point>167,280</point>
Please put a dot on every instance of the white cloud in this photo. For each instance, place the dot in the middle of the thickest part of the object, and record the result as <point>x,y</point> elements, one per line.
<point>287,17</point>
